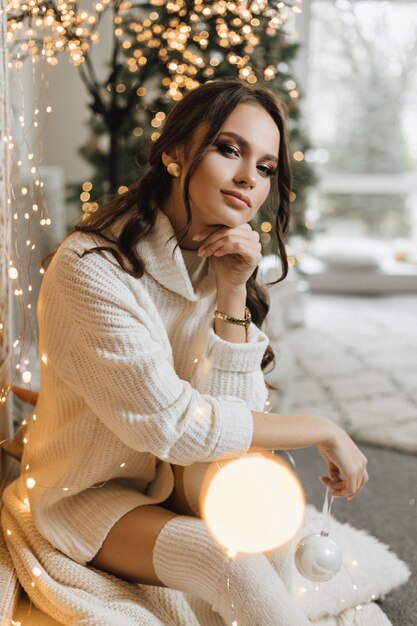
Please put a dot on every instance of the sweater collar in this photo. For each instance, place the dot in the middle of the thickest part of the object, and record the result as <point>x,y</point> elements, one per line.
<point>166,266</point>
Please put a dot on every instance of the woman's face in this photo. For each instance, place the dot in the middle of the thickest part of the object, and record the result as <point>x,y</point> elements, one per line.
<point>233,179</point>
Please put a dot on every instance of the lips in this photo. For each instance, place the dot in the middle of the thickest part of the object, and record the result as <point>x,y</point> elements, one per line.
<point>238,195</point>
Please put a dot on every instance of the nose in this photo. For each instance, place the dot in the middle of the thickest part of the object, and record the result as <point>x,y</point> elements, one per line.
<point>245,179</point>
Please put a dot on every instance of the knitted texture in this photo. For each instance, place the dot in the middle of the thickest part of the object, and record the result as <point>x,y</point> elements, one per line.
<point>245,589</point>
<point>75,594</point>
<point>133,378</point>
<point>281,559</point>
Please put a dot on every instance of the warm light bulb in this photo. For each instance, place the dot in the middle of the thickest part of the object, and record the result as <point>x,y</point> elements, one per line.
<point>26,377</point>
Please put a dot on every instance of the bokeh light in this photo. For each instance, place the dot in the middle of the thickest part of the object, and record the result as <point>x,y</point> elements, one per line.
<point>252,504</point>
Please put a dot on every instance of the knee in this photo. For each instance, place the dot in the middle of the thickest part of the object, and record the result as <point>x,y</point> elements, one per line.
<point>193,479</point>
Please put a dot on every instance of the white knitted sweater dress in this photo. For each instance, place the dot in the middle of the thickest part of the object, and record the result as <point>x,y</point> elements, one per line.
<point>133,378</point>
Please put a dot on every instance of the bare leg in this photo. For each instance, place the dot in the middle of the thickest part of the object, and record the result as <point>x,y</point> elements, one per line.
<point>153,545</point>
<point>189,483</point>
<point>136,533</point>
<point>127,551</point>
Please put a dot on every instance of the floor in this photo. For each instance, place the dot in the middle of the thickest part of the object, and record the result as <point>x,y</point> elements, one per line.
<point>355,360</point>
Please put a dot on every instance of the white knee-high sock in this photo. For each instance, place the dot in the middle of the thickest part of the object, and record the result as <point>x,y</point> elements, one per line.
<point>281,558</point>
<point>186,557</point>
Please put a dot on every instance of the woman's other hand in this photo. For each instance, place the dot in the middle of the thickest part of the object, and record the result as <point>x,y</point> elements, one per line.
<point>346,464</point>
<point>347,473</point>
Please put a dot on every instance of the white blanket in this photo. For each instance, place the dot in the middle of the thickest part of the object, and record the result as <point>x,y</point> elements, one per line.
<point>74,594</point>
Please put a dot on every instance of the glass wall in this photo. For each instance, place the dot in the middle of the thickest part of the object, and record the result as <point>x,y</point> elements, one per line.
<point>361,114</point>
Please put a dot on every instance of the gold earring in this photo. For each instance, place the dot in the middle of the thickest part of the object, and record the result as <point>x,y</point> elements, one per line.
<point>174,169</point>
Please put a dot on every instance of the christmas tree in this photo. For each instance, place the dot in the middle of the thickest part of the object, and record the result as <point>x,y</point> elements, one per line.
<point>154,65</point>
<point>160,50</point>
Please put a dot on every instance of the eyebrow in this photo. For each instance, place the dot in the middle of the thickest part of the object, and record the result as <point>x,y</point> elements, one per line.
<point>245,144</point>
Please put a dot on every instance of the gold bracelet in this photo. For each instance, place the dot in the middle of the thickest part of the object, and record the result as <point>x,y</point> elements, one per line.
<point>235,320</point>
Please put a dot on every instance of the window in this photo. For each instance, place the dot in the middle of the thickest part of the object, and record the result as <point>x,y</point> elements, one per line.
<point>361,114</point>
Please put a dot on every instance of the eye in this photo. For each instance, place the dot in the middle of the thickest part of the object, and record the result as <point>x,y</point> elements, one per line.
<point>228,149</point>
<point>266,170</point>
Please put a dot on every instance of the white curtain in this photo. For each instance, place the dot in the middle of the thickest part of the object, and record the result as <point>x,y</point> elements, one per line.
<point>5,330</point>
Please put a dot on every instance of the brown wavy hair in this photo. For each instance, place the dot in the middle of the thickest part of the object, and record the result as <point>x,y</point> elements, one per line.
<point>210,105</point>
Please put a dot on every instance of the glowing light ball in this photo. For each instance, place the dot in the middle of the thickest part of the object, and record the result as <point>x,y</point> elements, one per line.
<point>318,557</point>
<point>252,504</point>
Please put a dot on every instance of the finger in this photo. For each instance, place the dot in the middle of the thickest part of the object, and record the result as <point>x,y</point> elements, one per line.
<point>324,479</point>
<point>342,491</point>
<point>337,490</point>
<point>208,249</point>
<point>352,488</point>
<point>234,239</point>
<point>352,482</point>
<point>364,481</point>
<point>360,478</point>
<point>250,256</point>
<point>229,234</point>
<point>237,247</point>
<point>335,487</point>
<point>334,474</point>
<point>237,244</point>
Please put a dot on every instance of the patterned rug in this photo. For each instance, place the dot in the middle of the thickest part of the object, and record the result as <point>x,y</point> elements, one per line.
<point>355,360</point>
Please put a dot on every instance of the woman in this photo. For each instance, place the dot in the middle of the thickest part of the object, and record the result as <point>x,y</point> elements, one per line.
<point>151,363</point>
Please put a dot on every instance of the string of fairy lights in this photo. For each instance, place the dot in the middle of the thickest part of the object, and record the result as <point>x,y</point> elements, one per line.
<point>189,40</point>
<point>73,29</point>
<point>41,30</point>
<point>38,29</point>
<point>26,219</point>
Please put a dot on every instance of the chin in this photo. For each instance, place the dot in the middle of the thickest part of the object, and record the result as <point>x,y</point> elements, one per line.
<point>229,218</point>
<point>236,220</point>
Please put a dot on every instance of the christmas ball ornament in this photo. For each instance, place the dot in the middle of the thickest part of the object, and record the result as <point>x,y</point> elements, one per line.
<point>318,557</point>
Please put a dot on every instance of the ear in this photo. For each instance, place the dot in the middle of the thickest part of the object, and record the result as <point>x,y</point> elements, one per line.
<point>173,156</point>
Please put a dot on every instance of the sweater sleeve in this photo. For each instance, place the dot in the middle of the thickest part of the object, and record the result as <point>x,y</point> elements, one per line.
<point>113,358</point>
<point>234,368</point>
